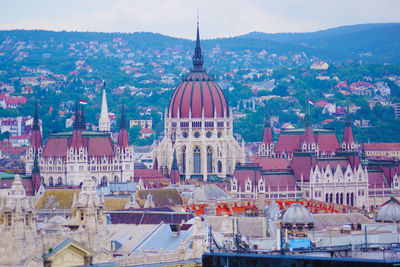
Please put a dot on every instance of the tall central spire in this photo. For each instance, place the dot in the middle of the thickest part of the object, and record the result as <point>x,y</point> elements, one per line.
<point>198,59</point>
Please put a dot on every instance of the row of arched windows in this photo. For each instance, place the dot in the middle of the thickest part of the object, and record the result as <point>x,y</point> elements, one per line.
<point>197,160</point>
<point>339,198</point>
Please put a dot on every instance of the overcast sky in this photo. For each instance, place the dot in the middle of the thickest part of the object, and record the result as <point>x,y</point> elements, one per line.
<point>218,18</point>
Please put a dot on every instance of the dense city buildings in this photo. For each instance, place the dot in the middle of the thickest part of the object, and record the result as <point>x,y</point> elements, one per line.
<point>195,192</point>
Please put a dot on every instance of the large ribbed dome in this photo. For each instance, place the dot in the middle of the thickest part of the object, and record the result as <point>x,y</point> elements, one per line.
<point>198,92</point>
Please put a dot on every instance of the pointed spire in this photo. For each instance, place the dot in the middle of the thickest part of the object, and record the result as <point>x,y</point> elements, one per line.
<point>175,175</point>
<point>267,122</point>
<point>36,168</point>
<point>267,136</point>
<point>363,154</point>
<point>198,59</point>
<point>83,123</point>
<point>155,164</point>
<point>348,121</point>
<point>36,138</point>
<point>174,163</point>
<point>104,120</point>
<point>36,180</point>
<point>35,118</point>
<point>122,124</point>
<point>307,116</point>
<point>123,139</point>
<point>77,117</point>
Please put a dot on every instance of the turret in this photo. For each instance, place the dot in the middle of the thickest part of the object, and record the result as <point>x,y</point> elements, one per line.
<point>36,180</point>
<point>77,131</point>
<point>123,139</point>
<point>308,139</point>
<point>36,139</point>
<point>175,175</point>
<point>348,139</point>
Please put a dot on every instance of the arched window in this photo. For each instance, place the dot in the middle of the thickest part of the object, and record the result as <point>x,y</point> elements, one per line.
<point>326,198</point>
<point>103,181</point>
<point>184,159</point>
<point>337,198</point>
<point>209,159</point>
<point>347,199</point>
<point>330,197</point>
<point>116,179</point>
<point>352,199</point>
<point>51,181</point>
<point>341,198</point>
<point>219,166</point>
<point>197,160</point>
<point>59,181</point>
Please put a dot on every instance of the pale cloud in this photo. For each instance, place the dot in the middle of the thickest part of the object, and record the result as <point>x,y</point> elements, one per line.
<point>218,18</point>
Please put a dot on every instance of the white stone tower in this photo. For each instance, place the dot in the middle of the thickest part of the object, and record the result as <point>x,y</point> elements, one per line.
<point>104,120</point>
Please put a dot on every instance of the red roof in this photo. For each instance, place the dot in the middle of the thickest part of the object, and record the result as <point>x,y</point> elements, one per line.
<point>322,103</point>
<point>382,146</point>
<point>287,143</point>
<point>376,180</point>
<point>198,92</point>
<point>279,182</point>
<point>327,142</point>
<point>97,146</point>
<point>148,174</point>
<point>273,163</point>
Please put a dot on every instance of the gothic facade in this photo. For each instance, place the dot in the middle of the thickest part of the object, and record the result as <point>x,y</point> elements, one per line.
<point>199,128</point>
<point>68,155</point>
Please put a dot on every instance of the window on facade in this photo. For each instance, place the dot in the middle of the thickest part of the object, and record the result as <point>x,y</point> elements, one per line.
<point>103,181</point>
<point>219,166</point>
<point>82,215</point>
<point>209,159</point>
<point>59,181</point>
<point>184,159</point>
<point>51,182</point>
<point>197,160</point>
<point>9,219</point>
<point>27,220</point>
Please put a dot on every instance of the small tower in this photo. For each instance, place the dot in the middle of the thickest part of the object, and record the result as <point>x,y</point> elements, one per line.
<point>123,139</point>
<point>348,143</point>
<point>36,139</point>
<point>88,209</point>
<point>18,214</point>
<point>308,140</point>
<point>124,152</point>
<point>104,120</point>
<point>36,180</point>
<point>266,149</point>
<point>36,143</point>
<point>77,131</point>
<point>175,175</point>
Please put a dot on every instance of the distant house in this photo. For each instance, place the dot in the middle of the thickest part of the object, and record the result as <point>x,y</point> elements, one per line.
<point>146,132</point>
<point>382,150</point>
<point>361,88</point>
<point>7,101</point>
<point>319,65</point>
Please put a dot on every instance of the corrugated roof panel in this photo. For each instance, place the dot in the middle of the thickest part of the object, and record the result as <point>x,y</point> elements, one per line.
<point>164,239</point>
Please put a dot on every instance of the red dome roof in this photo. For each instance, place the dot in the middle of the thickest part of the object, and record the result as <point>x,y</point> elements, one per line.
<point>198,92</point>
